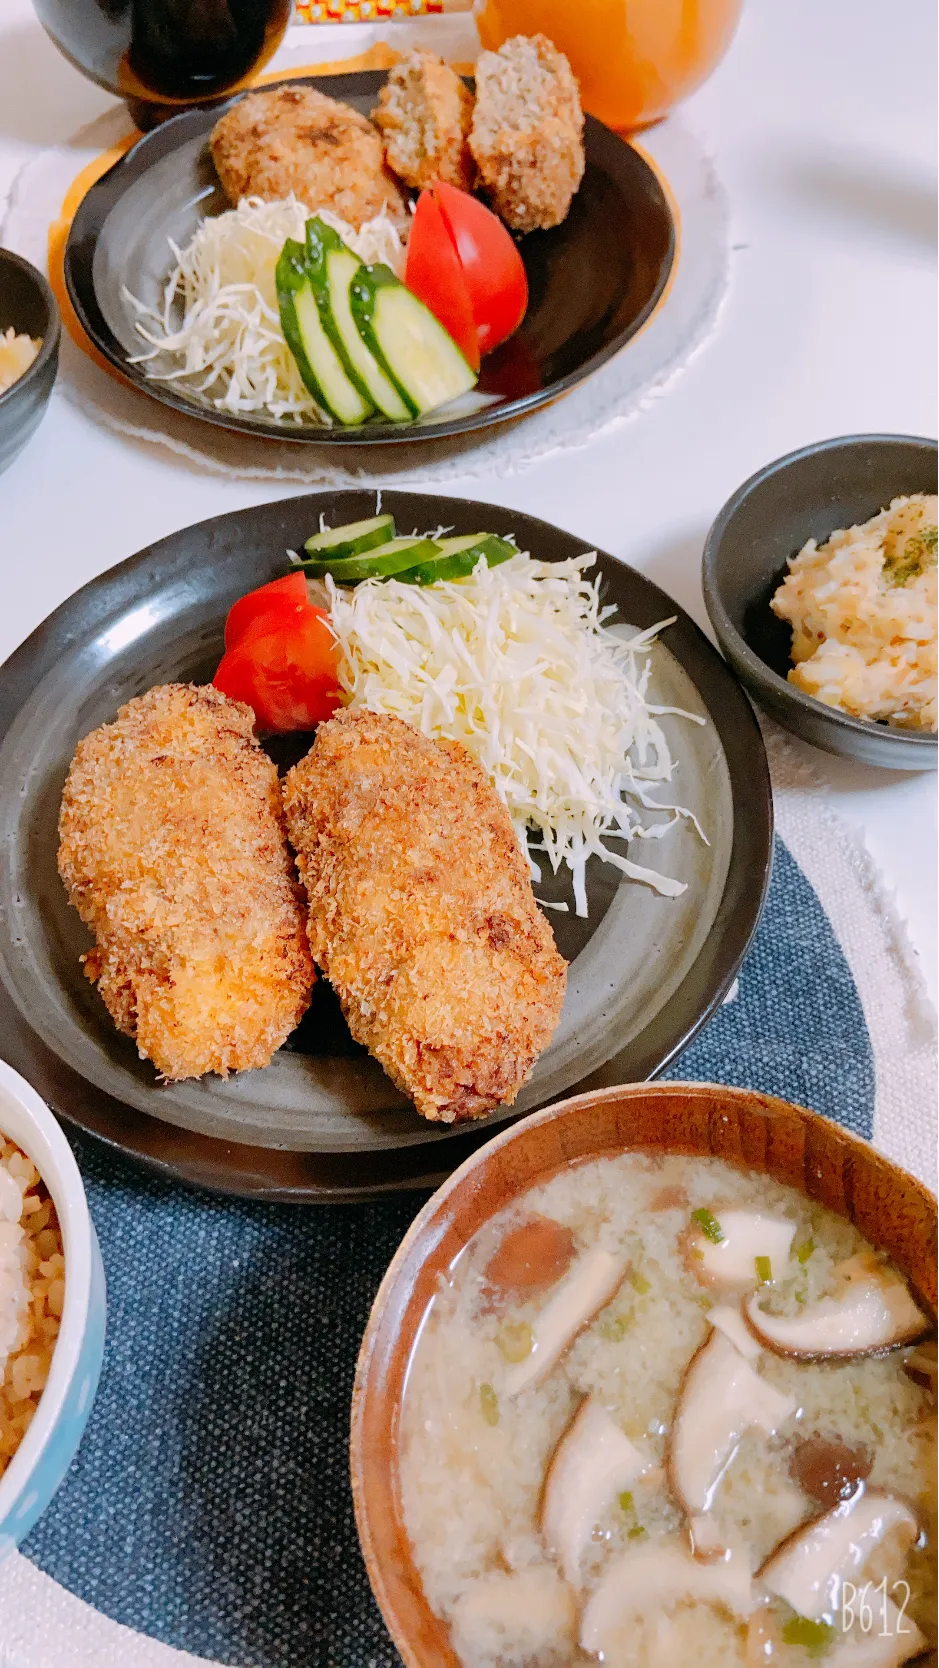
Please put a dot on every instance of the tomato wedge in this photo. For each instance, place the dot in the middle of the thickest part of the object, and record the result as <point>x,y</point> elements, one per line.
<point>493,270</point>
<point>282,599</point>
<point>433,273</point>
<point>285,670</point>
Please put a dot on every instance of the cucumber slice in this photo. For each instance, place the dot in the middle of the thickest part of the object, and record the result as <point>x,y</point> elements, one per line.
<point>317,360</point>
<point>423,362</point>
<point>380,563</point>
<point>458,557</point>
<point>350,540</point>
<point>332,267</point>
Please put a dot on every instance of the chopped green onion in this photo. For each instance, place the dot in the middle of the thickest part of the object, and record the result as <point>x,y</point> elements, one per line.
<point>815,1636</point>
<point>709,1225</point>
<point>764,1270</point>
<point>805,1250</point>
<point>919,553</point>
<point>639,1283</point>
<point>515,1341</point>
<point>635,1531</point>
<point>614,1328</point>
<point>488,1404</point>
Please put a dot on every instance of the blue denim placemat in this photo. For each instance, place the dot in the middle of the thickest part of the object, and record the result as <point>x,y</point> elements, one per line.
<point>209,1505</point>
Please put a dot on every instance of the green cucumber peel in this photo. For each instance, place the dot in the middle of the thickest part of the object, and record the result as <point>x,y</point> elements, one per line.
<point>306,337</point>
<point>352,539</point>
<point>459,564</point>
<point>363,295</point>
<point>383,562</point>
<point>410,344</point>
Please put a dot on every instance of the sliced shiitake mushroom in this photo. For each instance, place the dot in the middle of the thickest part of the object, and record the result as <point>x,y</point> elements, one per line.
<point>728,1319</point>
<point>531,1257</point>
<point>707,1542</point>
<point>652,1580</point>
<point>827,1469</point>
<point>921,1365</point>
<point>891,1641</point>
<point>593,1278</point>
<point>808,1568</point>
<point>522,1613</point>
<point>723,1247</point>
<point>720,1396</point>
<point>593,1463</point>
<point>869,1312</point>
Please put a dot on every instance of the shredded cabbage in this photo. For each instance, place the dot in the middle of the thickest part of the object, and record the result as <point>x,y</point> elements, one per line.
<point>517,663</point>
<point>218,334</point>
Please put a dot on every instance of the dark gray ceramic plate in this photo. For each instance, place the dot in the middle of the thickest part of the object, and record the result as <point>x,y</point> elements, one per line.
<point>645,971</point>
<point>806,495</point>
<point>593,281</point>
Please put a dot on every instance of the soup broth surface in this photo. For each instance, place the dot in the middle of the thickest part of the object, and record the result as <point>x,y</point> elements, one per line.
<point>475,1450</point>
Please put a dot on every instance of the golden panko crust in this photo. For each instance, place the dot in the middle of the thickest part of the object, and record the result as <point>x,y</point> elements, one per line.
<point>295,139</point>
<point>422,913</point>
<point>527,132</point>
<point>424,112</point>
<point>173,851</point>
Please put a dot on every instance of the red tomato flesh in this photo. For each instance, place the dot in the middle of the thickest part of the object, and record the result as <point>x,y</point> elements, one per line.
<point>433,273</point>
<point>281,599</point>
<point>286,673</point>
<point>493,271</point>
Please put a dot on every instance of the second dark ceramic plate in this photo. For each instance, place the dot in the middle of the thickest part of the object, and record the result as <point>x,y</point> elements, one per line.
<point>593,281</point>
<point>322,1119</point>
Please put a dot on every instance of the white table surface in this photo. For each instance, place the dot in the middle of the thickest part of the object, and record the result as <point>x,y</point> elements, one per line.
<point>821,123</point>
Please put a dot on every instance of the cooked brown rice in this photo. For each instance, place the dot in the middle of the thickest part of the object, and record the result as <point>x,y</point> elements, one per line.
<point>32,1293</point>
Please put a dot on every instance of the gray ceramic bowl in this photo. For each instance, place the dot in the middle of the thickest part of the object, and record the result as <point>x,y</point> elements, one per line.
<point>26,303</point>
<point>806,495</point>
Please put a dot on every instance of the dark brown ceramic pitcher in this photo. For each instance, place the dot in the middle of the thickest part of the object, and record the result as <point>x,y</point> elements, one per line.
<point>164,55</point>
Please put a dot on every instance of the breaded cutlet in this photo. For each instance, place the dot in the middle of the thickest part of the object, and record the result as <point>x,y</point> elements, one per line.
<point>295,139</point>
<point>173,851</point>
<point>421,913</point>
<point>527,132</point>
<point>424,112</point>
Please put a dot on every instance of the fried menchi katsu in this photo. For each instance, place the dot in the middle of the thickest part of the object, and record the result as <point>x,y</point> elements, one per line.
<point>422,913</point>
<point>173,851</point>
<point>294,139</point>
<point>424,112</point>
<point>527,132</point>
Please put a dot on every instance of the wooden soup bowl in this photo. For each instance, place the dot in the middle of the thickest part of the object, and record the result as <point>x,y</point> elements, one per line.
<point>754,1132</point>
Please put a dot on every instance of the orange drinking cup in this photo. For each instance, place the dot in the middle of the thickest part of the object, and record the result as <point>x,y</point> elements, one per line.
<point>634,59</point>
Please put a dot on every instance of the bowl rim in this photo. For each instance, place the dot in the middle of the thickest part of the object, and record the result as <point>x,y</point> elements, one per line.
<point>762,674</point>
<point>53,1157</point>
<point>51,335</point>
<point>367,1386</point>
